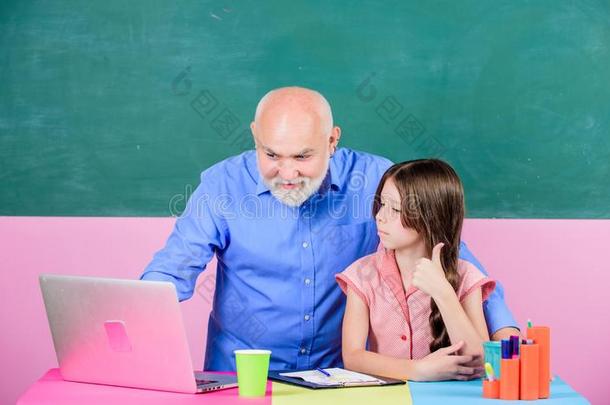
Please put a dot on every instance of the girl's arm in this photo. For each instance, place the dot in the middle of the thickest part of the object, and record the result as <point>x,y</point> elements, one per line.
<point>354,336</point>
<point>440,365</point>
<point>464,321</point>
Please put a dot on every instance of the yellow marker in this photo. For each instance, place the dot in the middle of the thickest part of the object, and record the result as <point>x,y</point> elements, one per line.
<point>490,372</point>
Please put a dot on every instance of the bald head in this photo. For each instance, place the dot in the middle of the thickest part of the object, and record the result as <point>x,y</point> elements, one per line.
<point>291,105</point>
<point>295,139</point>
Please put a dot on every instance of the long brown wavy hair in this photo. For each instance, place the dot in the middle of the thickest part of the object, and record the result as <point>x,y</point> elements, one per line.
<point>432,203</point>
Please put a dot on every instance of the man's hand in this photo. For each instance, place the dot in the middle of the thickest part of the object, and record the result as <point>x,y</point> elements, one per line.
<point>444,364</point>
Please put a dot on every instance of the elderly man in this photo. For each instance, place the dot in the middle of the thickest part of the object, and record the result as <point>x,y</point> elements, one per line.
<point>282,221</point>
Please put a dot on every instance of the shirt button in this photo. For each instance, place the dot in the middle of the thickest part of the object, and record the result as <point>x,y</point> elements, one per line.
<point>403,337</point>
<point>307,317</point>
<point>303,350</point>
<point>305,244</point>
<point>307,281</point>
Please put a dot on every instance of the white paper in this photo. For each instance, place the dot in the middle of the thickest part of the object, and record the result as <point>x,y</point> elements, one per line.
<point>337,376</point>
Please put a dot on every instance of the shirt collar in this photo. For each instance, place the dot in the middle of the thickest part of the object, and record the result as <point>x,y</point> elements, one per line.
<point>261,186</point>
<point>388,268</point>
<point>335,169</point>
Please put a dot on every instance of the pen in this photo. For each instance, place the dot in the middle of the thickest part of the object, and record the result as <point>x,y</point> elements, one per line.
<point>326,373</point>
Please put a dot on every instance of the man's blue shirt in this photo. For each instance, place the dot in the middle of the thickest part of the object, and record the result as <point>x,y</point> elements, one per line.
<point>275,283</point>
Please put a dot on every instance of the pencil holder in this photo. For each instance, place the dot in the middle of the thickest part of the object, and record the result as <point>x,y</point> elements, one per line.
<point>542,336</point>
<point>492,353</point>
<point>509,384</point>
<point>529,372</point>
<point>491,389</point>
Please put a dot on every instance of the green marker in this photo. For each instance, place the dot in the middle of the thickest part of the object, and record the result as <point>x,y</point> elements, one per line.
<point>489,371</point>
<point>529,323</point>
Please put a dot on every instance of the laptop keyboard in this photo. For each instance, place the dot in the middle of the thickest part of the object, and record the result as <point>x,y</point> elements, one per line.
<point>202,382</point>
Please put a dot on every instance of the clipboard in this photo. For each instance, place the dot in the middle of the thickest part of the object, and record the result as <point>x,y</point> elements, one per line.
<point>275,376</point>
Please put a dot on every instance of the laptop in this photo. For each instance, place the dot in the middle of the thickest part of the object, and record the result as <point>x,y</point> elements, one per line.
<point>125,333</point>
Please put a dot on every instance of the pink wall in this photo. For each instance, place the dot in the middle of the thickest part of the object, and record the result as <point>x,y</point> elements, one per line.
<point>555,279</point>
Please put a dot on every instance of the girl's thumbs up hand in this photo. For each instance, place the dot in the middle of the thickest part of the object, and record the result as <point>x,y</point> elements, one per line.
<point>429,276</point>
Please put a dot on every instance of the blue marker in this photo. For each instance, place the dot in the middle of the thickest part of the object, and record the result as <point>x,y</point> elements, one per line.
<point>514,342</point>
<point>507,352</point>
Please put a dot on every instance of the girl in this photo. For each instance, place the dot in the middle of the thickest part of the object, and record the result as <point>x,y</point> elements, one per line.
<point>413,298</point>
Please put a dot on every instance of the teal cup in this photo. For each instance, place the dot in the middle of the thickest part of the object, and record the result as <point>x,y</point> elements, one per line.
<point>493,355</point>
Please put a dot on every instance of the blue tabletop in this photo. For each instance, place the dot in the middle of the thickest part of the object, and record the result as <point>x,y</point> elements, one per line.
<point>470,392</point>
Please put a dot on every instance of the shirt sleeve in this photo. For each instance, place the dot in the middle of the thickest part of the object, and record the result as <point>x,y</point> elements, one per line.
<point>471,279</point>
<point>352,278</point>
<point>196,236</point>
<point>496,311</point>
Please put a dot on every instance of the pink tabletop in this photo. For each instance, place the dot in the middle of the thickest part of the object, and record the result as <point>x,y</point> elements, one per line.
<point>52,389</point>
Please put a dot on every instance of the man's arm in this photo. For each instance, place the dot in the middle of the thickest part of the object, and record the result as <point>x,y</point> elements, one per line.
<point>500,321</point>
<point>197,234</point>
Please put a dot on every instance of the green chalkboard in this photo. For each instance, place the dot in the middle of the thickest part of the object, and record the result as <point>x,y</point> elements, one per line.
<point>113,108</point>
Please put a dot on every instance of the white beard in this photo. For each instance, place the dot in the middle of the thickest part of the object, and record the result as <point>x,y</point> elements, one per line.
<point>296,197</point>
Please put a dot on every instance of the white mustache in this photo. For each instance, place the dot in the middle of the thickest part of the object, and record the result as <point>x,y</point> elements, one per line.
<point>278,181</point>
